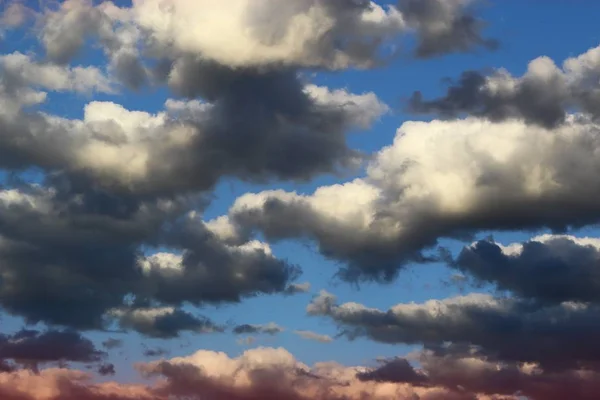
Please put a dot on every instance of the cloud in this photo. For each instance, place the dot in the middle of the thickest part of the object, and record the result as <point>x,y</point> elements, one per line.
<point>256,374</point>
<point>470,373</point>
<point>548,268</point>
<point>69,254</point>
<point>164,322</point>
<point>65,384</point>
<point>439,179</point>
<point>255,126</point>
<point>326,34</point>
<point>106,369</point>
<point>298,288</point>
<point>275,373</point>
<point>308,335</point>
<point>543,95</point>
<point>31,347</point>
<point>505,329</point>
<point>444,26</point>
<point>270,329</point>
<point>156,352</point>
<point>397,370</point>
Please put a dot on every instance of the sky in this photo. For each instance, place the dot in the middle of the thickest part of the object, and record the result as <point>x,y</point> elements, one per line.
<point>299,199</point>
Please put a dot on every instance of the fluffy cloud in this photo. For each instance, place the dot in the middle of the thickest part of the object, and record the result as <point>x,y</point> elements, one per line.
<point>270,126</point>
<point>543,95</point>
<point>328,34</point>
<point>264,373</point>
<point>30,347</point>
<point>20,69</point>
<point>548,268</point>
<point>164,322</point>
<point>275,373</point>
<point>468,372</point>
<point>64,384</point>
<point>439,179</point>
<point>444,26</point>
<point>556,337</point>
<point>69,256</point>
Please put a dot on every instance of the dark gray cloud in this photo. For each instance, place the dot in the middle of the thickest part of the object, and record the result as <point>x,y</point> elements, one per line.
<point>444,27</point>
<point>31,346</point>
<point>397,370</point>
<point>544,95</point>
<point>550,269</point>
<point>255,125</point>
<point>506,329</point>
<point>69,256</point>
<point>439,179</point>
<point>246,329</point>
<point>468,372</point>
<point>163,323</point>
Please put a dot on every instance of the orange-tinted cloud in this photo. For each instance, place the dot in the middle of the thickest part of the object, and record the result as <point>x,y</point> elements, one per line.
<point>274,373</point>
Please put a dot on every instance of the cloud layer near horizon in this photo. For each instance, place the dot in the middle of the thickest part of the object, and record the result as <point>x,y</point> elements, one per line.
<point>102,209</point>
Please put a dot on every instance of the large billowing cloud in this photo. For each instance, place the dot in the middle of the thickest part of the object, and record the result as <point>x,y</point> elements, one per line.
<point>114,212</point>
<point>440,179</point>
<point>543,95</point>
<point>69,257</point>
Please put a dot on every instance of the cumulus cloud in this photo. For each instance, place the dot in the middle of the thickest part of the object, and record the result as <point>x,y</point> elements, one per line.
<point>163,322</point>
<point>270,125</point>
<point>31,347</point>
<point>547,268</point>
<point>255,374</point>
<point>21,69</point>
<point>543,95</point>
<point>444,26</point>
<point>66,384</point>
<point>556,337</point>
<point>275,373</point>
<point>439,179</point>
<point>69,256</point>
<point>467,372</point>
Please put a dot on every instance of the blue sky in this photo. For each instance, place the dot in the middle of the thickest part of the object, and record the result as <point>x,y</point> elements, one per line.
<point>526,30</point>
